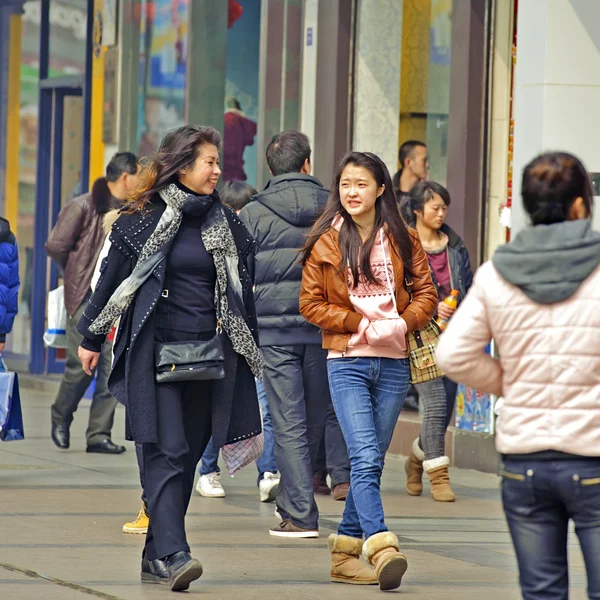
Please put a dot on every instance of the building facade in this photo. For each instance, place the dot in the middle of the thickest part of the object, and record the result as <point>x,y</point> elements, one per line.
<point>486,84</point>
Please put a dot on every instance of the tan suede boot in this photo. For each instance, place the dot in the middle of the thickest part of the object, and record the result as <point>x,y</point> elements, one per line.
<point>346,566</point>
<point>437,470</point>
<point>382,550</point>
<point>414,470</point>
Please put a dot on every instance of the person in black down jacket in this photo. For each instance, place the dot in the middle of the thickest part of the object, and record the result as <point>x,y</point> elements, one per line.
<point>296,372</point>
<point>176,272</point>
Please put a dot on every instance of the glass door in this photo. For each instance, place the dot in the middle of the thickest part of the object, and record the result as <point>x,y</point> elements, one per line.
<point>59,181</point>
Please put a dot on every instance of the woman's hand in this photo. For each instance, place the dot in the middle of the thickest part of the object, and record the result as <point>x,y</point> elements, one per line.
<point>89,360</point>
<point>387,332</point>
<point>358,338</point>
<point>445,311</point>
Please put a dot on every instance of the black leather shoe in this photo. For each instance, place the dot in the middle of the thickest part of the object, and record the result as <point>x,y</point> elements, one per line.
<point>155,571</point>
<point>106,447</point>
<point>61,436</point>
<point>183,569</point>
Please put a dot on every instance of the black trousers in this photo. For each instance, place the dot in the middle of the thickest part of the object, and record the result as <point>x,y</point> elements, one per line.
<point>139,454</point>
<point>333,454</point>
<point>169,466</point>
<point>298,393</point>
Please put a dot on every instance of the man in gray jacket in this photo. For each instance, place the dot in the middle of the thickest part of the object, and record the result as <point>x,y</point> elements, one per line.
<point>296,374</point>
<point>74,245</point>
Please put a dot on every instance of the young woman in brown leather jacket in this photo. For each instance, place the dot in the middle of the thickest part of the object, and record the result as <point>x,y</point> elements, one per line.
<point>356,260</point>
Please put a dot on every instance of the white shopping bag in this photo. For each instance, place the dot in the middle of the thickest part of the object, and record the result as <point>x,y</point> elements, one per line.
<point>56,334</point>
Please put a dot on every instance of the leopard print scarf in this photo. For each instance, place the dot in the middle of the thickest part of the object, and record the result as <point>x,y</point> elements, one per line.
<point>219,242</point>
<point>229,302</point>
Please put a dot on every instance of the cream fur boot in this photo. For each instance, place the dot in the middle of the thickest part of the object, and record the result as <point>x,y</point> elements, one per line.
<point>414,470</point>
<point>346,566</point>
<point>437,470</point>
<point>382,550</point>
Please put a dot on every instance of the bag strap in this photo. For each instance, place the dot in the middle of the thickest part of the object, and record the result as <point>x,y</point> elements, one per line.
<point>408,286</point>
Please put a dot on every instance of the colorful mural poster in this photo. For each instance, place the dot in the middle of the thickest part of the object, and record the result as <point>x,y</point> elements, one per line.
<point>163,67</point>
<point>474,410</point>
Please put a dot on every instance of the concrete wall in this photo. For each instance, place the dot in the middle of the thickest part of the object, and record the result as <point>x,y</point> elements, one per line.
<point>557,93</point>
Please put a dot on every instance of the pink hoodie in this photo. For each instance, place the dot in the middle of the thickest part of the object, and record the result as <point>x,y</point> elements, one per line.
<point>382,332</point>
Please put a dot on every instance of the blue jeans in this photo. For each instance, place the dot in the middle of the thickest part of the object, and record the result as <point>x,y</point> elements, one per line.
<point>367,394</point>
<point>266,462</point>
<point>540,497</point>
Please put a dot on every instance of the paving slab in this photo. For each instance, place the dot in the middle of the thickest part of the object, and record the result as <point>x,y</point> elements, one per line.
<point>61,514</point>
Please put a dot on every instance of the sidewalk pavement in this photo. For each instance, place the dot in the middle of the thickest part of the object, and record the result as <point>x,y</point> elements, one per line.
<point>61,514</point>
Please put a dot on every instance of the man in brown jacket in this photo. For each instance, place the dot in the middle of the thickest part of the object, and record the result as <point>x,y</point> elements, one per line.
<point>74,245</point>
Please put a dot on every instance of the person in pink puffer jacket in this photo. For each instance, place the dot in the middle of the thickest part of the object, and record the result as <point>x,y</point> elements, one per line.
<point>539,299</point>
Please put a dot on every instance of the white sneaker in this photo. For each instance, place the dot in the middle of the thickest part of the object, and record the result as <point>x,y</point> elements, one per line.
<point>268,487</point>
<point>210,486</point>
<point>278,515</point>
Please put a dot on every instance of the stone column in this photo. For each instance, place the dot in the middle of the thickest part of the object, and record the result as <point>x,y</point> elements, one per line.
<point>377,59</point>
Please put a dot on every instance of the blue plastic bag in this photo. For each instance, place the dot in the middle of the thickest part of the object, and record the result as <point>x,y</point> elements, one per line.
<point>11,415</point>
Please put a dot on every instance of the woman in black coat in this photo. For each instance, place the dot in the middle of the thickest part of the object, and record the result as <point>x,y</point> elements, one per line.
<point>177,272</point>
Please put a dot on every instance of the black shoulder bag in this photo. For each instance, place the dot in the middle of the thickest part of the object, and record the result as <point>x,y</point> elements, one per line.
<point>192,360</point>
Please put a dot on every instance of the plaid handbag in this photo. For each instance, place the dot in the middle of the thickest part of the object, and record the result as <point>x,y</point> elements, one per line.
<point>421,345</point>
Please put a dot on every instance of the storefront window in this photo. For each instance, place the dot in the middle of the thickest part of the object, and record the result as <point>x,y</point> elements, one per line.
<point>20,340</point>
<point>425,79</point>
<point>163,58</point>
<point>402,79</point>
<point>68,22</point>
<point>241,102</point>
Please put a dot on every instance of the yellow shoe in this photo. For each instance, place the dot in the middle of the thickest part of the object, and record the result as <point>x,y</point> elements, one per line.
<point>140,525</point>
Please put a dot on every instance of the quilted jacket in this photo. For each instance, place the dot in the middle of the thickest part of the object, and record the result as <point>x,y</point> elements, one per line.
<point>543,312</point>
<point>9,279</point>
<point>279,218</point>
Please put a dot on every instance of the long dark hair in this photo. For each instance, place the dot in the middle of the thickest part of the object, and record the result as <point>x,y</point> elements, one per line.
<point>551,183</point>
<point>178,151</point>
<point>353,249</point>
<point>421,193</point>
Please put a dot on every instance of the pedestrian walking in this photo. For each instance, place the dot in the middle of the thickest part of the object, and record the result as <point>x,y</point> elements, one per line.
<point>414,167</point>
<point>538,298</point>
<point>332,459</point>
<point>74,245</point>
<point>177,278</point>
<point>9,281</point>
<point>356,260</point>
<point>140,524</point>
<point>450,270</point>
<point>295,375</point>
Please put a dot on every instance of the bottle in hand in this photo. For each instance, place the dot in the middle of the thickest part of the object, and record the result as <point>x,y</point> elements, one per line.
<point>452,302</point>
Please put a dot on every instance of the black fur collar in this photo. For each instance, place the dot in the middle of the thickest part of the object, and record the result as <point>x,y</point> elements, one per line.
<point>102,198</point>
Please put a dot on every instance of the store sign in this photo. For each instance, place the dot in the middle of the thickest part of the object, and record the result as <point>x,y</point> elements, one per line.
<point>97,33</point>
<point>109,122</point>
<point>309,36</point>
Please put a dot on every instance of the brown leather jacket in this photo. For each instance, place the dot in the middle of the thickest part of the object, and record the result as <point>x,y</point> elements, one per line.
<point>76,241</point>
<point>325,302</point>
